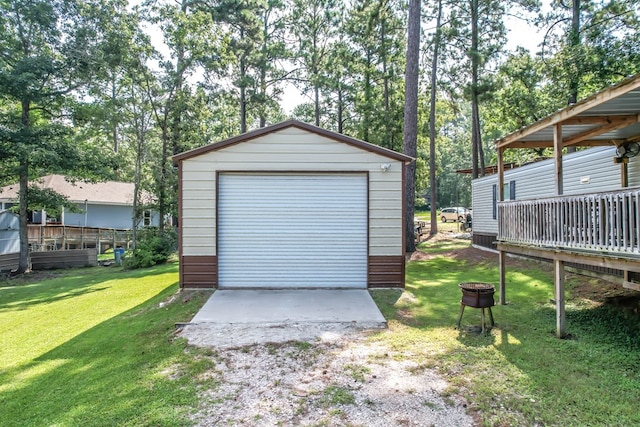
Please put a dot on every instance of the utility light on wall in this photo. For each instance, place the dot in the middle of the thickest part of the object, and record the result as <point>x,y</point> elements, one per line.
<point>385,166</point>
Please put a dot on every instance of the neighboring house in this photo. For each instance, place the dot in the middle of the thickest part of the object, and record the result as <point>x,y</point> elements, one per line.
<point>291,206</point>
<point>103,204</point>
<point>579,209</point>
<point>9,234</point>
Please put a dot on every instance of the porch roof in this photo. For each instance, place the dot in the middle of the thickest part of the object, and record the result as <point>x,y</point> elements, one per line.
<point>608,117</point>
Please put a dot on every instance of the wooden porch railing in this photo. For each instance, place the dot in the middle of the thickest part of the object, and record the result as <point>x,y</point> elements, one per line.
<point>602,222</point>
<point>56,237</point>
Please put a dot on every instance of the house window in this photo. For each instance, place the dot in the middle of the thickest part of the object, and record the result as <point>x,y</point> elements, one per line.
<point>508,192</point>
<point>146,218</point>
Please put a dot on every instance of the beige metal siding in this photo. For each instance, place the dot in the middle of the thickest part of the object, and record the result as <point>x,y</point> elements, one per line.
<point>290,150</point>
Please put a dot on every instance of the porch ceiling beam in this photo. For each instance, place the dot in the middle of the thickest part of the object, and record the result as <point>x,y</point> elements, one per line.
<point>611,126</point>
<point>548,144</point>
<point>598,120</point>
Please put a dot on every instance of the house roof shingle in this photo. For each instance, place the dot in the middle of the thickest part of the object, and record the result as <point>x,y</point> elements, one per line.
<point>107,193</point>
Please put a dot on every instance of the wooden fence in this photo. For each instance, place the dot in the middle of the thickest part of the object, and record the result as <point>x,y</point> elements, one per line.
<point>64,259</point>
<point>9,262</point>
<point>603,222</point>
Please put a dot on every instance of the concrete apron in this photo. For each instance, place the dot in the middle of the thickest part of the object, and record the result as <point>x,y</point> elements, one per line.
<point>233,318</point>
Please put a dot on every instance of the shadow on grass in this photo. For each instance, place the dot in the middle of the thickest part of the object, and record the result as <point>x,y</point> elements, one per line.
<point>22,293</point>
<point>128,370</point>
<point>520,372</point>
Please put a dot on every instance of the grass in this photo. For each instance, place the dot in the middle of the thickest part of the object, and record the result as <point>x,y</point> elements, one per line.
<point>95,347</point>
<point>520,373</point>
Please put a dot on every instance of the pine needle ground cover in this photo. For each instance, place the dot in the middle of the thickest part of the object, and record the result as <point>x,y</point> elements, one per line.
<point>95,347</point>
<point>519,373</point>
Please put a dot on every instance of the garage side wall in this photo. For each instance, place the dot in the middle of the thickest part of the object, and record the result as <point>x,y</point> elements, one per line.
<point>290,150</point>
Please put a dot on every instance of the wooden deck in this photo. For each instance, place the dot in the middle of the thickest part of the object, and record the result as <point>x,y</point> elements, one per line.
<point>61,237</point>
<point>601,223</point>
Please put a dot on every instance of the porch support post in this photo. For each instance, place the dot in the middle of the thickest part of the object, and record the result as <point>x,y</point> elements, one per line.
<point>559,291</point>
<point>557,155</point>
<point>503,285</point>
<point>500,174</point>
<point>501,260</point>
<point>557,264</point>
<point>624,173</point>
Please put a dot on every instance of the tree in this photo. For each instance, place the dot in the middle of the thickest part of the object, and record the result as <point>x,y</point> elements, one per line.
<point>432,119</point>
<point>314,24</point>
<point>411,117</point>
<point>376,36</point>
<point>589,45</point>
<point>49,50</point>
<point>192,39</point>
<point>269,72</point>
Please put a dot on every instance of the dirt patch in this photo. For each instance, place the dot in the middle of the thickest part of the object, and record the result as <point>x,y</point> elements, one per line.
<point>348,381</point>
<point>469,254</point>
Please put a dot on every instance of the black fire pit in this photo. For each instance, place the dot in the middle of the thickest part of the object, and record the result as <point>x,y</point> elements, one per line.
<point>477,295</point>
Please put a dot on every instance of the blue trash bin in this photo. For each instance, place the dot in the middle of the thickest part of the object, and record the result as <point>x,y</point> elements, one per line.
<point>118,254</point>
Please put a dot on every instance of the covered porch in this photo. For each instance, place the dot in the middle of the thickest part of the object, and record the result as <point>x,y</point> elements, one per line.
<point>595,229</point>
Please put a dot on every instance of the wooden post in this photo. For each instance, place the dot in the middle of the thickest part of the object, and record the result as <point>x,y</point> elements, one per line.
<point>502,255</point>
<point>557,155</point>
<point>624,173</point>
<point>500,174</point>
<point>503,285</point>
<point>559,291</point>
<point>559,265</point>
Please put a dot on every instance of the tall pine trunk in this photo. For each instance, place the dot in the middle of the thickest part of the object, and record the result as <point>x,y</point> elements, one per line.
<point>432,122</point>
<point>410,143</point>
<point>475,114</point>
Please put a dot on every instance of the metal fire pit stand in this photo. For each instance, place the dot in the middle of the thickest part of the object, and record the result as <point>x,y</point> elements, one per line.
<point>477,295</point>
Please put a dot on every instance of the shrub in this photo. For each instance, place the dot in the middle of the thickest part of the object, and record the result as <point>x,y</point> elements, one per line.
<point>152,247</point>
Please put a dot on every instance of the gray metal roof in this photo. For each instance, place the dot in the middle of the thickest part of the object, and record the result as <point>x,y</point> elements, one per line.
<point>609,117</point>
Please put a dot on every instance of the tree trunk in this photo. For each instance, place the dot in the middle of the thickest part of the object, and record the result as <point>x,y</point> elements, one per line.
<point>366,117</point>
<point>475,121</point>
<point>340,108</point>
<point>23,197</point>
<point>411,118</point>
<point>162,196</point>
<point>243,94</point>
<point>316,101</point>
<point>432,123</point>
<point>574,42</point>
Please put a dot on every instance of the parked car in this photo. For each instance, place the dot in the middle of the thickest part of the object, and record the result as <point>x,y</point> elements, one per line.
<point>454,214</point>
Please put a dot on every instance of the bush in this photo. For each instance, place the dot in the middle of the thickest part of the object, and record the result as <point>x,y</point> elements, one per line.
<point>152,247</point>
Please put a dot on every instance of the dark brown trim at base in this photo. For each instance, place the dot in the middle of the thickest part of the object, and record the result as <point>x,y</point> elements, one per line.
<point>199,272</point>
<point>386,271</point>
<point>484,240</point>
<point>202,272</point>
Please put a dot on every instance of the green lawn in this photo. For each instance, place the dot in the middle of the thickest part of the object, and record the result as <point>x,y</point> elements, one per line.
<point>520,373</point>
<point>94,347</point>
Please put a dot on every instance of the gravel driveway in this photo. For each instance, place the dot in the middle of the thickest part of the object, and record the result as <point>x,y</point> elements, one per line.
<point>328,376</point>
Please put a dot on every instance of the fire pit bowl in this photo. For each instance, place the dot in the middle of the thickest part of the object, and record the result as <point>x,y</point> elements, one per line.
<point>478,295</point>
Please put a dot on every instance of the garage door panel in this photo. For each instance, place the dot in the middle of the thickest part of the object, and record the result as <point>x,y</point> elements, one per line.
<point>288,230</point>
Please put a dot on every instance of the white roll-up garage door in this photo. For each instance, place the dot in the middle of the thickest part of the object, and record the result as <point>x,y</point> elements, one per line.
<point>292,230</point>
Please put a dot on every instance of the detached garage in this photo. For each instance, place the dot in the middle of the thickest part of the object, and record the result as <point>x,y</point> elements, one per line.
<point>291,206</point>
